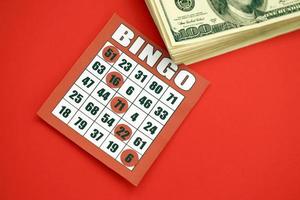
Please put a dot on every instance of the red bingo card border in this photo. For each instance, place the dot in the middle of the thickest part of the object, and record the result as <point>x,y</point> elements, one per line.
<point>190,98</point>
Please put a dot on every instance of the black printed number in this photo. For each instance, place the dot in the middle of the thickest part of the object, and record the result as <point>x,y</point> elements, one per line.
<point>110,54</point>
<point>115,80</point>
<point>129,158</point>
<point>139,143</point>
<point>96,134</point>
<point>125,65</point>
<point>103,93</point>
<point>156,87</point>
<point>107,119</point>
<point>134,116</point>
<point>90,107</point>
<point>98,67</point>
<point>145,102</point>
<point>161,113</point>
<point>113,147</point>
<point>65,112</point>
<point>151,128</point>
<point>88,82</point>
<point>81,123</point>
<point>141,76</point>
<point>123,133</point>
<point>172,98</point>
<point>76,96</point>
<point>130,90</point>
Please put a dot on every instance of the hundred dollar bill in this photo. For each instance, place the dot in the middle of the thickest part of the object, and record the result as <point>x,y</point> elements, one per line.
<point>190,21</point>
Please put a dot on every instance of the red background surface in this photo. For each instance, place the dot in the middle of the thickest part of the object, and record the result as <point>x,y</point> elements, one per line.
<point>241,141</point>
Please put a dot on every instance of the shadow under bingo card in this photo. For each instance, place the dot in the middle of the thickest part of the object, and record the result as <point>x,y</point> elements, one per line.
<point>123,100</point>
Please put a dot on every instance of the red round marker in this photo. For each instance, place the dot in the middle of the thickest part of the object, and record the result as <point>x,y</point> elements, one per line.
<point>119,105</point>
<point>123,132</point>
<point>114,80</point>
<point>110,54</point>
<point>129,158</point>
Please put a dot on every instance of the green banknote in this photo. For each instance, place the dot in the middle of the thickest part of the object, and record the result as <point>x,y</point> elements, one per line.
<point>189,20</point>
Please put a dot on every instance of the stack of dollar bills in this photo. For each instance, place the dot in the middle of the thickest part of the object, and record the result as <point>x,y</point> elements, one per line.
<point>195,30</point>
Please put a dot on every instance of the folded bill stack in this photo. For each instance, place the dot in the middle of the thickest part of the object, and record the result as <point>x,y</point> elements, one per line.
<point>195,30</point>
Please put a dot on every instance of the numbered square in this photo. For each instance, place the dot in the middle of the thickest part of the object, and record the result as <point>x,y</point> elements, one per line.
<point>161,112</point>
<point>76,96</point>
<point>92,108</point>
<point>98,67</point>
<point>123,131</point>
<point>114,79</point>
<point>156,87</point>
<point>125,64</point>
<point>150,127</point>
<point>145,101</point>
<point>103,93</point>
<point>80,123</point>
<point>140,142</point>
<point>109,53</point>
<point>130,90</point>
<point>119,104</point>
<point>108,120</point>
<point>112,146</point>
<point>135,116</point>
<point>64,111</point>
<point>172,98</point>
<point>96,134</point>
<point>129,157</point>
<point>140,76</point>
<point>87,82</point>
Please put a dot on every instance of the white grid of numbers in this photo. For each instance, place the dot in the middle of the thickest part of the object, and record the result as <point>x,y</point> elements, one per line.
<point>87,106</point>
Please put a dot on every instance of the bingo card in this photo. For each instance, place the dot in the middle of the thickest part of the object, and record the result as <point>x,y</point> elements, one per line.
<point>123,100</point>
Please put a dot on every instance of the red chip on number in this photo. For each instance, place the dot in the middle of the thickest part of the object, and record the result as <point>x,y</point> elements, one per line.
<point>119,105</point>
<point>110,54</point>
<point>123,132</point>
<point>114,80</point>
<point>129,158</point>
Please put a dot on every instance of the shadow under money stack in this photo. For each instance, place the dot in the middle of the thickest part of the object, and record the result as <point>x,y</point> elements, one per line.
<point>195,30</point>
